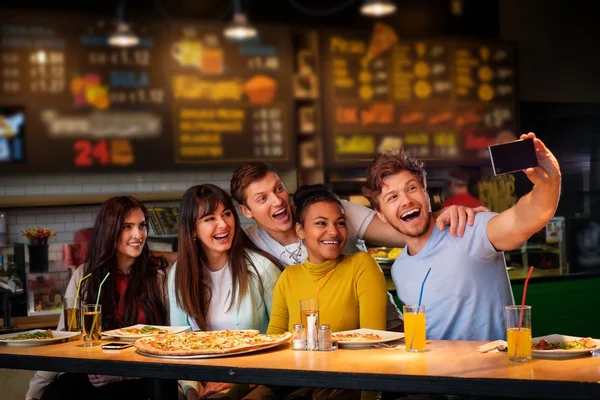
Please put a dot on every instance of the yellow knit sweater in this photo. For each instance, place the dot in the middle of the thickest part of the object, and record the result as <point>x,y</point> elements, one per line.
<point>353,296</point>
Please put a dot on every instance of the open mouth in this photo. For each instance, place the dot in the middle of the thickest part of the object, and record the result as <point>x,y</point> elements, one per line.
<point>281,214</point>
<point>410,215</point>
<point>221,237</point>
<point>135,245</point>
<point>333,243</point>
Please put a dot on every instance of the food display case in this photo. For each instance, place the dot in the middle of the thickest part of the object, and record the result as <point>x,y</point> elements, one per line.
<point>45,291</point>
<point>545,250</point>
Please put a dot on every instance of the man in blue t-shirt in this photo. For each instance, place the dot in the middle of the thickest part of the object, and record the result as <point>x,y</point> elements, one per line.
<point>468,286</point>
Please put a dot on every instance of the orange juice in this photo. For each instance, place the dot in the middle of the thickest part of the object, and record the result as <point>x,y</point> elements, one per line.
<point>414,331</point>
<point>519,344</point>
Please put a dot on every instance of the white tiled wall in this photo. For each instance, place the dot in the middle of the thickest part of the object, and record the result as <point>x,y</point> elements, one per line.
<point>68,219</point>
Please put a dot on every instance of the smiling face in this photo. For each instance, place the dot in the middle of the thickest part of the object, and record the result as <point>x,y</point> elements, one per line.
<point>215,231</point>
<point>268,202</point>
<point>131,239</point>
<point>323,231</point>
<point>405,205</point>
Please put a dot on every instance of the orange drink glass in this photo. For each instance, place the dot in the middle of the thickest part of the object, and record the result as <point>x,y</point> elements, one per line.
<point>414,328</point>
<point>518,332</point>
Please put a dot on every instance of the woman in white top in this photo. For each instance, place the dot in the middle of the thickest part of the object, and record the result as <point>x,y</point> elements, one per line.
<point>221,279</point>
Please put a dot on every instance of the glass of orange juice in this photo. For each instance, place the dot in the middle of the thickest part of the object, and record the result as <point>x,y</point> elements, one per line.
<point>518,332</point>
<point>414,327</point>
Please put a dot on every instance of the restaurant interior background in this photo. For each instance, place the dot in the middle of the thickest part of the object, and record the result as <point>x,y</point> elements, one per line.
<point>556,95</point>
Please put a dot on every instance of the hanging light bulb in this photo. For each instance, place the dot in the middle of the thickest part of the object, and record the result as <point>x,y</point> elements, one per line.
<point>239,28</point>
<point>122,36</point>
<point>378,8</point>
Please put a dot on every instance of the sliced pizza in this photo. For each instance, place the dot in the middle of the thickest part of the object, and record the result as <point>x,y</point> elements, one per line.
<point>208,342</point>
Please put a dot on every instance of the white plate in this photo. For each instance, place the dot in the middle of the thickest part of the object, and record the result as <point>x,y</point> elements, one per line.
<point>268,346</point>
<point>385,337</point>
<point>561,353</point>
<point>114,333</point>
<point>59,336</point>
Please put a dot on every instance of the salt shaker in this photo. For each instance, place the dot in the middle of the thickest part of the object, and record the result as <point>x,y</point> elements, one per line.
<point>299,337</point>
<point>325,338</point>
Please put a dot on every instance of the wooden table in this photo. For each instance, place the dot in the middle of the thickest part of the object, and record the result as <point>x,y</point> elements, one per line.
<point>452,367</point>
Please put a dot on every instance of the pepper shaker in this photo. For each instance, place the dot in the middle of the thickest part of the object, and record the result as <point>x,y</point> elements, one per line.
<point>325,338</point>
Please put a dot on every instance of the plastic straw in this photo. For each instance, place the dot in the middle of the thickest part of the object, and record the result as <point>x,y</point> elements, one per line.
<point>522,307</point>
<point>71,320</point>
<point>422,286</point>
<point>96,307</point>
<point>419,306</point>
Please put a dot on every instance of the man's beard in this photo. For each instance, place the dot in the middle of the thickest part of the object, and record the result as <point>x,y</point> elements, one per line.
<point>413,235</point>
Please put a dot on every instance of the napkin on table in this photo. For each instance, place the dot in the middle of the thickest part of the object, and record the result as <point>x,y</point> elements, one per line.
<point>491,347</point>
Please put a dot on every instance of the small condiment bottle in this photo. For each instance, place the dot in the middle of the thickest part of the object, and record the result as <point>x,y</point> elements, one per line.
<point>325,338</point>
<point>299,337</point>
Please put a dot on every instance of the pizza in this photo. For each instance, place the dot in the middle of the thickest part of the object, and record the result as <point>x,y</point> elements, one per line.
<point>208,342</point>
<point>583,343</point>
<point>355,337</point>
<point>144,330</point>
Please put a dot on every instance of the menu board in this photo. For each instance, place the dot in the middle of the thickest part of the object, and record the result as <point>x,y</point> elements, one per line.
<point>439,99</point>
<point>183,98</point>
<point>230,99</point>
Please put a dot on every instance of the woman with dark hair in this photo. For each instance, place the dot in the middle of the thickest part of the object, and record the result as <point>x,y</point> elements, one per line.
<point>132,294</point>
<point>221,280</point>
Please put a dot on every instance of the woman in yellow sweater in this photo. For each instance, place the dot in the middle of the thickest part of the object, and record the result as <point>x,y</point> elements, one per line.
<point>351,288</point>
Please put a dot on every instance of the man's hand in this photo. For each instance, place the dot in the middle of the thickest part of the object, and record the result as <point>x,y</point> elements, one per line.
<point>215,387</point>
<point>101,380</point>
<point>457,217</point>
<point>548,171</point>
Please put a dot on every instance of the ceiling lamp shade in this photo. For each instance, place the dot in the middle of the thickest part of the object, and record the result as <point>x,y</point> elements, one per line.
<point>239,28</point>
<point>378,8</point>
<point>123,36</point>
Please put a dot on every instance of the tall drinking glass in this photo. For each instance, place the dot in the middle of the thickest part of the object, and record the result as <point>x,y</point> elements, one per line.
<point>72,314</point>
<point>309,317</point>
<point>92,324</point>
<point>414,327</point>
<point>519,340</point>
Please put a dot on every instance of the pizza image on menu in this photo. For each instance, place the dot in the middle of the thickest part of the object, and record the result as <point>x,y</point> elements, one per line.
<point>209,343</point>
<point>88,90</point>
<point>382,40</point>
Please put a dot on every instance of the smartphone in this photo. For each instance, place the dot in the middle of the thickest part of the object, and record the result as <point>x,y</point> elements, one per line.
<point>116,346</point>
<point>512,156</point>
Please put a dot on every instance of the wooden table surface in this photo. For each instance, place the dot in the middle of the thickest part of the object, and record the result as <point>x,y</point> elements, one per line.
<point>451,367</point>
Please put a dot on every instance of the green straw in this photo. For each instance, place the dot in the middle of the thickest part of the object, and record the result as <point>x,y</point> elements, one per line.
<point>96,307</point>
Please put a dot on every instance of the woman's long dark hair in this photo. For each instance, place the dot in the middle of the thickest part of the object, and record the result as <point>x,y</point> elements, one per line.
<point>146,277</point>
<point>192,284</point>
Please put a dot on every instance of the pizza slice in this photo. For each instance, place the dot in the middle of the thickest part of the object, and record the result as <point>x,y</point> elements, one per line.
<point>144,330</point>
<point>355,337</point>
<point>384,37</point>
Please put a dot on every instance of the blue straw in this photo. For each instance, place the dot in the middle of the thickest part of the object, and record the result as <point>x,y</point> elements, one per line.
<point>422,286</point>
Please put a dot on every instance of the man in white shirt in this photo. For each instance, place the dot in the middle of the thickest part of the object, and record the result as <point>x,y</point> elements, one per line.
<point>262,196</point>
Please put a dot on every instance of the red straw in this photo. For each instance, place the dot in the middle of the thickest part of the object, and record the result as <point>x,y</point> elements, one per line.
<point>524,295</point>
